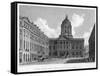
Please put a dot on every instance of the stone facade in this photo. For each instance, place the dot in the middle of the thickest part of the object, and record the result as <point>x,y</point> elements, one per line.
<point>65,45</point>
<point>32,41</point>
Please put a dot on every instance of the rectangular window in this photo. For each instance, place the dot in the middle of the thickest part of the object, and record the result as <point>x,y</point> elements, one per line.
<point>24,32</point>
<point>24,44</point>
<point>76,46</point>
<point>20,43</point>
<point>72,46</point>
<point>20,31</point>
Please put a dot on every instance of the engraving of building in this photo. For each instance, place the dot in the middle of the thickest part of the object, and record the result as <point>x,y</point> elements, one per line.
<point>65,45</point>
<point>32,41</point>
<point>92,45</point>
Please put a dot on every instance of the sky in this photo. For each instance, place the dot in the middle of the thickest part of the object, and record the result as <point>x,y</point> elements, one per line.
<point>49,19</point>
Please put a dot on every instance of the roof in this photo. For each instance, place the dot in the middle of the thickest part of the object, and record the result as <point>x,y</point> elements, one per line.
<point>66,20</point>
<point>69,39</point>
<point>53,38</point>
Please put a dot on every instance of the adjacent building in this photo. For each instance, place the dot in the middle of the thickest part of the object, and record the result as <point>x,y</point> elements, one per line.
<point>65,45</point>
<point>92,45</point>
<point>32,41</point>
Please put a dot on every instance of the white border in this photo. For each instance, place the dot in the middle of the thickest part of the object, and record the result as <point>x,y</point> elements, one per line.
<point>48,67</point>
<point>54,6</point>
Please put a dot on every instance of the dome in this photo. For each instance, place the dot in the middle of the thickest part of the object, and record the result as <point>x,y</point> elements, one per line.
<point>66,21</point>
<point>66,28</point>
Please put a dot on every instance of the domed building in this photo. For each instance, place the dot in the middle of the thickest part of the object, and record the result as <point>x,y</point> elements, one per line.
<point>65,45</point>
<point>66,28</point>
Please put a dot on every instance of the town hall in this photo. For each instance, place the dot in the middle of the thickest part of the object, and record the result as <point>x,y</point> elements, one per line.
<point>65,45</point>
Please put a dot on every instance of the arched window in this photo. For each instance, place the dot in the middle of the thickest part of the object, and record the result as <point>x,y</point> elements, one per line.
<point>20,60</point>
<point>28,57</point>
<point>24,57</point>
<point>24,44</point>
<point>20,57</point>
<point>20,44</point>
<point>24,33</point>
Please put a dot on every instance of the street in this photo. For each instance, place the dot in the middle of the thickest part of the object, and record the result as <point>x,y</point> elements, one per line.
<point>51,61</point>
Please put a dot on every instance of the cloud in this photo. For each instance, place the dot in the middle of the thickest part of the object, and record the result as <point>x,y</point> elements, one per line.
<point>76,21</point>
<point>44,27</point>
<point>73,31</point>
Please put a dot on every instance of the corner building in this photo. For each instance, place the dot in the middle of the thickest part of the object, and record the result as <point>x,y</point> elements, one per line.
<point>92,45</point>
<point>65,45</point>
<point>32,41</point>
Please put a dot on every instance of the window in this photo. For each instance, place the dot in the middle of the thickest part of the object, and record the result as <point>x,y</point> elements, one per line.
<point>21,23</point>
<point>24,44</point>
<point>24,32</point>
<point>20,57</point>
<point>65,30</point>
<point>28,46</point>
<point>20,60</point>
<point>50,47</point>
<point>80,47</point>
<point>24,57</point>
<point>20,43</point>
<point>67,46</point>
<point>28,57</point>
<point>76,46</point>
<point>64,47</point>
<point>55,53</point>
<point>72,46</point>
<point>20,31</point>
<point>54,47</point>
<point>73,53</point>
<point>60,42</point>
<point>66,42</point>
